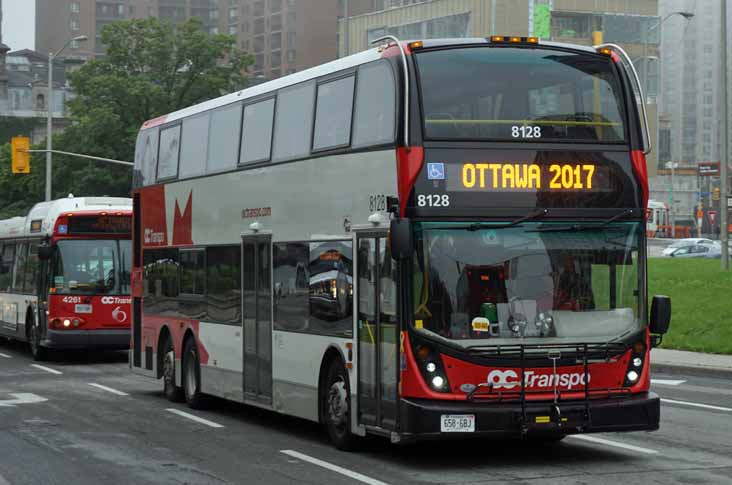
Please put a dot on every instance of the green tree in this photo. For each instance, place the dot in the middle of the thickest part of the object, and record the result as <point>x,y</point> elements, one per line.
<point>151,68</point>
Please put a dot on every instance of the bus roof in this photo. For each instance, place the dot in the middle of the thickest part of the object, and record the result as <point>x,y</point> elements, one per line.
<point>324,70</point>
<point>48,212</point>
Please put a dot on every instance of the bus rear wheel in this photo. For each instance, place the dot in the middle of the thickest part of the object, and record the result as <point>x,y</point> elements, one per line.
<point>38,352</point>
<point>336,406</point>
<point>192,376</point>
<point>172,392</point>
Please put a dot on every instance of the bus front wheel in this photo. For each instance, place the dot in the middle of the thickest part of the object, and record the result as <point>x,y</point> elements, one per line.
<point>192,376</point>
<point>336,405</point>
<point>172,392</point>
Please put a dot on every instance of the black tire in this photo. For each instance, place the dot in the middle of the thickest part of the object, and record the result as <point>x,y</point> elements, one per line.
<point>336,407</point>
<point>38,352</point>
<point>172,392</point>
<point>191,375</point>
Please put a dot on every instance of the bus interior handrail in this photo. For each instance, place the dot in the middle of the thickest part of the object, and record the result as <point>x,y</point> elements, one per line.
<point>626,60</point>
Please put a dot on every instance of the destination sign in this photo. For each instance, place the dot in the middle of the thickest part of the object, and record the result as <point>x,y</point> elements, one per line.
<point>100,225</point>
<point>528,177</point>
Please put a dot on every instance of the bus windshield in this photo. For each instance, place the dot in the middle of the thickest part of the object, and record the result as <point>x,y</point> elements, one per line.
<point>92,267</point>
<point>520,94</point>
<point>533,283</point>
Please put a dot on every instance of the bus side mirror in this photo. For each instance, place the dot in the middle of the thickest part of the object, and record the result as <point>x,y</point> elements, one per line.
<point>45,252</point>
<point>401,239</point>
<point>660,314</point>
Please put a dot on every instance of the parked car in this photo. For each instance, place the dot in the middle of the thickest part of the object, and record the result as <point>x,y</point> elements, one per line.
<point>680,243</point>
<point>697,251</point>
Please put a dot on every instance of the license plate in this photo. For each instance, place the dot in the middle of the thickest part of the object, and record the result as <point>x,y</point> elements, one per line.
<point>79,308</point>
<point>457,423</point>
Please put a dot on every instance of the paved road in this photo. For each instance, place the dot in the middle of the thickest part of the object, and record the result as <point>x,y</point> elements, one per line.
<point>69,430</point>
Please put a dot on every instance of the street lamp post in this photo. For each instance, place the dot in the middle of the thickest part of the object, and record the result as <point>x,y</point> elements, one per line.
<point>686,15</point>
<point>49,117</point>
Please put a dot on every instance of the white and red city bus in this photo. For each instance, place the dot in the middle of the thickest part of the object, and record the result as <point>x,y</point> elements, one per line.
<point>65,275</point>
<point>426,239</point>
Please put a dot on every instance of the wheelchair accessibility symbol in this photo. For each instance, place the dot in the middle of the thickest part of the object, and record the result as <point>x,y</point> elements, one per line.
<point>436,171</point>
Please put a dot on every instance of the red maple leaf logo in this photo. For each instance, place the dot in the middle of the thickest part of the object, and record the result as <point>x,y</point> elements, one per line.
<point>182,223</point>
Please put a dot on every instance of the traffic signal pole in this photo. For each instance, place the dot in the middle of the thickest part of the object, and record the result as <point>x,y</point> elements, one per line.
<point>81,155</point>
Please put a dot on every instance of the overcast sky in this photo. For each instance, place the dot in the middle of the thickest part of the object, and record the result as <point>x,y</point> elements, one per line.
<point>19,24</point>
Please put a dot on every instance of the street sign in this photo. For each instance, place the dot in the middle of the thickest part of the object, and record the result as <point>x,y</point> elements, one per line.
<point>708,169</point>
<point>19,155</point>
<point>729,201</point>
<point>712,217</point>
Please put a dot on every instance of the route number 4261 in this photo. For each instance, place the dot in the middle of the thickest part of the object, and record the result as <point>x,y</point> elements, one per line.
<point>433,200</point>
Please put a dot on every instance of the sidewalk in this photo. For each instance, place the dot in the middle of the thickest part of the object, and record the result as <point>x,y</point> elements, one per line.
<point>681,360</point>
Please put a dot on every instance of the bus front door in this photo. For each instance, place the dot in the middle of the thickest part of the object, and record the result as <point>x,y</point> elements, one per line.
<point>377,332</point>
<point>257,317</point>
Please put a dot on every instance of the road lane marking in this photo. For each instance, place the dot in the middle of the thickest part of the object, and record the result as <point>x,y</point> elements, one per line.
<point>195,418</point>
<point>6,356</point>
<point>47,369</point>
<point>22,398</point>
<point>334,468</point>
<point>602,441</point>
<point>667,382</point>
<point>108,389</point>
<point>696,405</point>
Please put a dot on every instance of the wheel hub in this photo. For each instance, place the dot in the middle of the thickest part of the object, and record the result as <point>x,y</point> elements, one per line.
<point>169,366</point>
<point>338,404</point>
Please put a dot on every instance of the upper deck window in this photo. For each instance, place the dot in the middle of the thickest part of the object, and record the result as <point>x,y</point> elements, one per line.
<point>194,145</point>
<point>333,114</point>
<point>520,94</point>
<point>169,152</point>
<point>294,121</point>
<point>256,145</point>
<point>223,138</point>
<point>374,120</point>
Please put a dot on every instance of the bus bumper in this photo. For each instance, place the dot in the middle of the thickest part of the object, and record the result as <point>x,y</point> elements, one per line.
<point>421,418</point>
<point>111,339</point>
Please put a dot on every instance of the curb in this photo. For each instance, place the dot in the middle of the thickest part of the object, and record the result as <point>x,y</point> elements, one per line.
<point>690,369</point>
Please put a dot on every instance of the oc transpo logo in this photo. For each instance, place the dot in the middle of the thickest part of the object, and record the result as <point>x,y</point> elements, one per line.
<point>509,379</point>
<point>115,300</point>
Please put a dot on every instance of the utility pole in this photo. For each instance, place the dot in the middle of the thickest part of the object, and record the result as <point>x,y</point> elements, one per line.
<point>49,127</point>
<point>723,149</point>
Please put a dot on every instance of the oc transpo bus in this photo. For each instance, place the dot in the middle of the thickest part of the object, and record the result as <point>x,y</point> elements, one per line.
<point>65,275</point>
<point>428,239</point>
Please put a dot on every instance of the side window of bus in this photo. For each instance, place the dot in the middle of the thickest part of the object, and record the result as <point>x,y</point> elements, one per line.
<point>256,144</point>
<point>169,152</point>
<point>30,282</point>
<point>333,114</point>
<point>313,287</point>
<point>146,154</point>
<point>192,272</point>
<point>375,113</point>
<point>22,253</point>
<point>223,136</point>
<point>293,122</point>
<point>160,267</point>
<point>7,258</point>
<point>194,146</point>
<point>223,284</point>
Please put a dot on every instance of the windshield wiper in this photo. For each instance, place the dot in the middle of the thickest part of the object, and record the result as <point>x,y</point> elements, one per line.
<point>584,227</point>
<point>483,225</point>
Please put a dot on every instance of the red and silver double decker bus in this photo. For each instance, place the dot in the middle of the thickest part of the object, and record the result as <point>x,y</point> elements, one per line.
<point>65,275</point>
<point>428,239</point>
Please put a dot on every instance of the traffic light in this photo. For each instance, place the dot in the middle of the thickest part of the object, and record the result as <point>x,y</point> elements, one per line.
<point>20,157</point>
<point>716,193</point>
